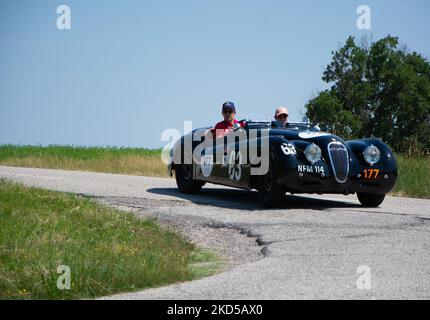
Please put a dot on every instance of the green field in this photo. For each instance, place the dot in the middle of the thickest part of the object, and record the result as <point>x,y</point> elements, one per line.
<point>414,177</point>
<point>133,161</point>
<point>107,251</point>
<point>413,180</point>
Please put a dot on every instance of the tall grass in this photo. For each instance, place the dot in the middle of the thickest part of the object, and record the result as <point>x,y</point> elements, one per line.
<point>108,251</point>
<point>414,176</point>
<point>133,161</point>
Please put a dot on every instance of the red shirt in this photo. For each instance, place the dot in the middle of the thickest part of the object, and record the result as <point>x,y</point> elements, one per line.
<point>226,126</point>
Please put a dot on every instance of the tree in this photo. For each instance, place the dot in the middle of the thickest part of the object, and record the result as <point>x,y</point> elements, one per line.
<point>378,90</point>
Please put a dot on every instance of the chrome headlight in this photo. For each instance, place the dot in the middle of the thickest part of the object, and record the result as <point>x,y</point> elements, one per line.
<point>313,153</point>
<point>371,154</point>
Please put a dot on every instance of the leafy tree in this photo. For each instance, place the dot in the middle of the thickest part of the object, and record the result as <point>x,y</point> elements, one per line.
<point>377,90</point>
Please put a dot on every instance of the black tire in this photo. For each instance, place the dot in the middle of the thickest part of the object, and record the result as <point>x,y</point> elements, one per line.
<point>371,200</point>
<point>270,192</point>
<point>185,181</point>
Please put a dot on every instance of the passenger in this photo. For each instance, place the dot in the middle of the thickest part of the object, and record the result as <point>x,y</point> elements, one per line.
<point>228,112</point>
<point>281,116</point>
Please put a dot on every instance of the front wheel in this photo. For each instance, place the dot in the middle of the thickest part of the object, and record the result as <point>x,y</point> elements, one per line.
<point>270,192</point>
<point>371,200</point>
<point>185,181</point>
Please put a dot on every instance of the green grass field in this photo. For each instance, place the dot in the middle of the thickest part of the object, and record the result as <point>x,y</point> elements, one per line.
<point>133,161</point>
<point>108,251</point>
<point>413,180</point>
<point>414,177</point>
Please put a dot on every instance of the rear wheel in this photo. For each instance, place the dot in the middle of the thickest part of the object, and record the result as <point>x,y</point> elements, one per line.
<point>270,192</point>
<point>370,199</point>
<point>185,181</point>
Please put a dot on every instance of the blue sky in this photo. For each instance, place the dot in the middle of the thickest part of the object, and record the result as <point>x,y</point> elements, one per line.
<point>127,70</point>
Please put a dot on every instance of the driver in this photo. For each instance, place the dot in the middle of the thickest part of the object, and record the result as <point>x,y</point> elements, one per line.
<point>228,112</point>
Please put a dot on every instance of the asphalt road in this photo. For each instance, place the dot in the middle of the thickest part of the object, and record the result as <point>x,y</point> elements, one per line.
<point>311,247</point>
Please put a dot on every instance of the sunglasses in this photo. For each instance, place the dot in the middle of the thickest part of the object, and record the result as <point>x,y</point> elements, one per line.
<point>227,111</point>
<point>283,115</point>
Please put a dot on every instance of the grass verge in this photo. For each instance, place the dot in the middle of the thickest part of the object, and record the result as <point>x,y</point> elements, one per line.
<point>107,251</point>
<point>414,177</point>
<point>133,161</point>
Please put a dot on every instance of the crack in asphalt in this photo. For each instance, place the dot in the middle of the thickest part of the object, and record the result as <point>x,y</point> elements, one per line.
<point>151,205</point>
<point>157,208</point>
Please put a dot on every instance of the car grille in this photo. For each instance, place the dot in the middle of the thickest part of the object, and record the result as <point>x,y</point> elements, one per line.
<point>339,161</point>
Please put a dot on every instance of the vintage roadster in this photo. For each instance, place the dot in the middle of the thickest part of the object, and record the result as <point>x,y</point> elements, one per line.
<point>299,159</point>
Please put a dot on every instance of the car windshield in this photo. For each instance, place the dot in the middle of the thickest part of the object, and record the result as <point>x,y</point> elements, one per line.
<point>299,126</point>
<point>260,124</point>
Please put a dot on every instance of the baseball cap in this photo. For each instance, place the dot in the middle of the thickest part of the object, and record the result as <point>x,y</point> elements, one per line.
<point>281,110</point>
<point>228,106</point>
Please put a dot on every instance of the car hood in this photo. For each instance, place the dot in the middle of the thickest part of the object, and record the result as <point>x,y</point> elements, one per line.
<point>310,136</point>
